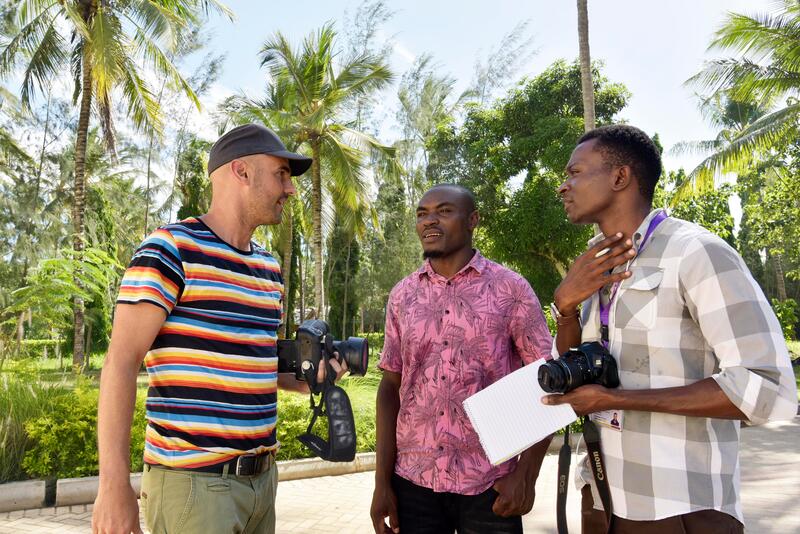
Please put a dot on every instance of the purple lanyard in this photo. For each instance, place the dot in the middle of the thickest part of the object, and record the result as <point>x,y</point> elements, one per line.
<point>604,310</point>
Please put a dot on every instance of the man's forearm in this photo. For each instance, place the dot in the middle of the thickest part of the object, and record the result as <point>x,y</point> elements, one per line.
<point>115,418</point>
<point>388,406</point>
<point>568,335</point>
<point>531,460</point>
<point>701,399</point>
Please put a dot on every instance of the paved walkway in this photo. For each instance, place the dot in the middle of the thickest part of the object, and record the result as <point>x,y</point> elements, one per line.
<point>770,493</point>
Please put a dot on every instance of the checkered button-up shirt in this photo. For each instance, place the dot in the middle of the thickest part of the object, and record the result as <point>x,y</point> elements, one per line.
<point>691,310</point>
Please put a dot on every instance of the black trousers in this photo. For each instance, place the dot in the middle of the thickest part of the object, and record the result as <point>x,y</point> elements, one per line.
<point>424,511</point>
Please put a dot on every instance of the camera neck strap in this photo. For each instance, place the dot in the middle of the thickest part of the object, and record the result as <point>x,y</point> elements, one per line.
<point>591,436</point>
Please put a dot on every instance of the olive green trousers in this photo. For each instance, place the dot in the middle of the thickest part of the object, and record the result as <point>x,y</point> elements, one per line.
<point>178,501</point>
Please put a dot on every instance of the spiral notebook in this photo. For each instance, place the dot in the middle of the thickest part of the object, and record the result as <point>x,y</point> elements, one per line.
<point>509,416</point>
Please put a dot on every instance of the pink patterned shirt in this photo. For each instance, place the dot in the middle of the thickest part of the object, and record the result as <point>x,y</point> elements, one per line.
<point>449,339</point>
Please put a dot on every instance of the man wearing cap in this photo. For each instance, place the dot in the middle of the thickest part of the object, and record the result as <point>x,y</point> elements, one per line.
<point>200,304</point>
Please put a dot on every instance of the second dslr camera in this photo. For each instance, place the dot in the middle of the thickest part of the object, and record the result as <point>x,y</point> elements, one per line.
<point>590,363</point>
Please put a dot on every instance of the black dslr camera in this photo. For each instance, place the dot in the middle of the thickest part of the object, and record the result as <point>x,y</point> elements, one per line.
<point>312,347</point>
<point>590,363</point>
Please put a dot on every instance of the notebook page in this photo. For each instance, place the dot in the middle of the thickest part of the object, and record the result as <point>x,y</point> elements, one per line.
<point>509,416</point>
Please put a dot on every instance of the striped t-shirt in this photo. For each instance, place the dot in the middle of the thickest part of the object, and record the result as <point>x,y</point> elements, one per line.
<point>213,365</point>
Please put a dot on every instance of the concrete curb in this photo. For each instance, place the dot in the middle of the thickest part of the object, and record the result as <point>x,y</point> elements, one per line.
<point>22,495</point>
<point>76,491</point>
<point>73,491</point>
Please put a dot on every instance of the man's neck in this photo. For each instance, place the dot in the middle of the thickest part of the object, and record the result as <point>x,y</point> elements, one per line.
<point>626,220</point>
<point>449,265</point>
<point>229,228</point>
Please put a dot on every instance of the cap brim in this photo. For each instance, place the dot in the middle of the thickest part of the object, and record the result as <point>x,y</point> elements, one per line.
<point>297,162</point>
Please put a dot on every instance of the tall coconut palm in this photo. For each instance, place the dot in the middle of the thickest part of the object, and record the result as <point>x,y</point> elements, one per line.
<point>316,88</point>
<point>763,67</point>
<point>103,46</point>
<point>587,86</point>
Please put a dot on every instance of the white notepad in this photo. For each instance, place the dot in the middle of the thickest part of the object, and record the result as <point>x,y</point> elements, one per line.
<point>509,415</point>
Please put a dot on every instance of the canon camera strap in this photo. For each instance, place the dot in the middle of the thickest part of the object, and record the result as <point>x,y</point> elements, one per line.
<point>592,437</point>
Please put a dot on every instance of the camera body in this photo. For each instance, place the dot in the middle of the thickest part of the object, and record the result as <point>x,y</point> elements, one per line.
<point>589,363</point>
<point>302,355</point>
<point>312,347</point>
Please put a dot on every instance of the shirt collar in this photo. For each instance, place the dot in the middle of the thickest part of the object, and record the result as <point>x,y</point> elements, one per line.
<point>638,235</point>
<point>477,263</point>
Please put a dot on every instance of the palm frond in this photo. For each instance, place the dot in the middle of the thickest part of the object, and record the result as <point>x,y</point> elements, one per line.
<point>757,139</point>
<point>45,63</point>
<point>163,65</point>
<point>142,106</point>
<point>107,49</point>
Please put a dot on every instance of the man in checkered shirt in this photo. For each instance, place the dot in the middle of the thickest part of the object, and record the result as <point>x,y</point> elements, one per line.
<point>698,347</point>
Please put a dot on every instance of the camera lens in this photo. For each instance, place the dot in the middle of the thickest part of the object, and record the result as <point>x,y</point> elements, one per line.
<point>553,377</point>
<point>354,351</point>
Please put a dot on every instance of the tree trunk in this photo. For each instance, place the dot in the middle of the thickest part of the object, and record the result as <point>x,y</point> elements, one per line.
<point>316,237</point>
<point>780,279</point>
<point>150,143</point>
<point>286,266</point>
<point>302,285</point>
<point>587,87</point>
<point>37,186</point>
<point>20,333</point>
<point>87,362</point>
<point>79,208</point>
<point>346,280</point>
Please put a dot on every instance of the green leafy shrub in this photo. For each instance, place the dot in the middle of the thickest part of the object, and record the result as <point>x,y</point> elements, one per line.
<point>64,436</point>
<point>786,310</point>
<point>294,415</point>
<point>293,418</point>
<point>22,398</point>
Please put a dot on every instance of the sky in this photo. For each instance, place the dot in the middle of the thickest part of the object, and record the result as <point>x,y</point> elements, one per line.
<point>651,47</point>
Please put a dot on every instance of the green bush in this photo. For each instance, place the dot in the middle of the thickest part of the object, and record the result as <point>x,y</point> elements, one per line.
<point>786,310</point>
<point>294,414</point>
<point>22,397</point>
<point>64,437</point>
<point>34,348</point>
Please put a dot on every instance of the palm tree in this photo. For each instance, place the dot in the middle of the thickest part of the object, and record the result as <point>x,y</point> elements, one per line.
<point>764,67</point>
<point>731,118</point>
<point>311,91</point>
<point>427,102</point>
<point>587,86</point>
<point>103,45</point>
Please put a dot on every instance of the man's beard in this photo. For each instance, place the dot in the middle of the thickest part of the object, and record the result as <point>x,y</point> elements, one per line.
<point>427,254</point>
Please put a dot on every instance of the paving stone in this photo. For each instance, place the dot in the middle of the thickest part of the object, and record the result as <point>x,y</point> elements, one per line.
<point>770,473</point>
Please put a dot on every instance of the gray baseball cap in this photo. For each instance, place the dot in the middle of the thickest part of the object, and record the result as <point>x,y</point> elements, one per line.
<point>250,139</point>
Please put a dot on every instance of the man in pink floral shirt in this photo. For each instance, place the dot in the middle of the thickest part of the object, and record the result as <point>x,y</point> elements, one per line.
<point>453,327</point>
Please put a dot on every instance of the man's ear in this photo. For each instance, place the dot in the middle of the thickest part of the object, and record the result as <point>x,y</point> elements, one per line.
<point>474,219</point>
<point>239,169</point>
<point>622,178</point>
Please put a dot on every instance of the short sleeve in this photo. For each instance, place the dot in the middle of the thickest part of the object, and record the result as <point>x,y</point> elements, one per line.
<point>529,331</point>
<point>391,356</point>
<point>738,323</point>
<point>155,273</point>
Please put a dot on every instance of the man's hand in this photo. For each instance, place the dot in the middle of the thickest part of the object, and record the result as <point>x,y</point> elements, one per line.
<point>585,399</point>
<point>384,504</point>
<point>590,272</point>
<point>116,511</point>
<point>516,493</point>
<point>338,365</point>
